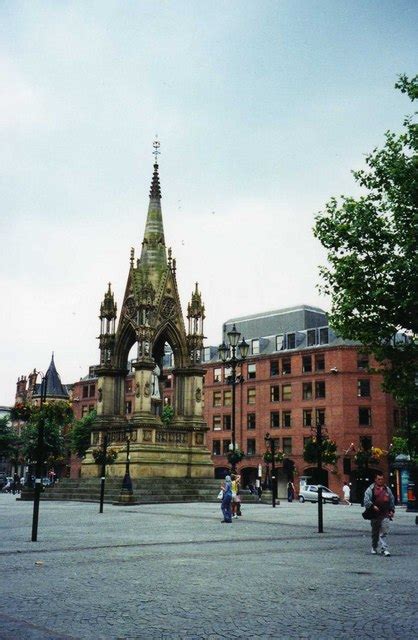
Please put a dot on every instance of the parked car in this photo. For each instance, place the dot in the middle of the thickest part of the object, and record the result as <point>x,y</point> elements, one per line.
<point>3,480</point>
<point>309,493</point>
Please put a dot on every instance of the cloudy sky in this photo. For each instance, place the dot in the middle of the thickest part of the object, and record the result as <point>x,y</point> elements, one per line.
<point>262,109</point>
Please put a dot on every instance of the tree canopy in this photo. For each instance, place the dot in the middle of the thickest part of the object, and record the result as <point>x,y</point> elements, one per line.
<point>371,243</point>
<point>54,416</point>
<point>79,436</point>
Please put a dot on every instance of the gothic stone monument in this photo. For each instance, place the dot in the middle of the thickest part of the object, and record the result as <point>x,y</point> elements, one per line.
<point>150,318</point>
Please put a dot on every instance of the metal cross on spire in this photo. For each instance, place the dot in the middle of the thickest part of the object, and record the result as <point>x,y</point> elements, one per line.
<point>156,146</point>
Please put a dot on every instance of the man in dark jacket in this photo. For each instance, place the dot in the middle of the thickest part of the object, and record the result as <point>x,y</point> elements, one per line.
<point>380,497</point>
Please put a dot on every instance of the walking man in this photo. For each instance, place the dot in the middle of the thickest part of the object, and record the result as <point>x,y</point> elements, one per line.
<point>346,494</point>
<point>380,497</point>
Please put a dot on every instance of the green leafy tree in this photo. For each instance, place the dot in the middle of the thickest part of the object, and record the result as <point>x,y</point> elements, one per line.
<point>54,416</point>
<point>10,443</point>
<point>371,241</point>
<point>167,415</point>
<point>79,435</point>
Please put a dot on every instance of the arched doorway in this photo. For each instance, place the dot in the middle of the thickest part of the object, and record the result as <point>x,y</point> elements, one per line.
<point>360,479</point>
<point>314,477</point>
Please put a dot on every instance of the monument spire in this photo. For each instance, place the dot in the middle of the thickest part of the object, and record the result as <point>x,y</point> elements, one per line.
<point>153,252</point>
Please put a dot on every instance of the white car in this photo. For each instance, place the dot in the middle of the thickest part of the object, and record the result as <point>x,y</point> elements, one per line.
<point>309,493</point>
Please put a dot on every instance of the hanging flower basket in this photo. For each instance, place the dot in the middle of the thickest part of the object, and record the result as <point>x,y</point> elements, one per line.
<point>99,457</point>
<point>268,457</point>
<point>236,456</point>
<point>328,451</point>
<point>21,411</point>
<point>365,457</point>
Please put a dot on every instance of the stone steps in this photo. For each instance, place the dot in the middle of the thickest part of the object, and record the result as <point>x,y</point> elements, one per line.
<point>145,491</point>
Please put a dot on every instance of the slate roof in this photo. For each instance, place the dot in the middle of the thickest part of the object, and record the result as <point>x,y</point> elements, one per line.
<point>54,386</point>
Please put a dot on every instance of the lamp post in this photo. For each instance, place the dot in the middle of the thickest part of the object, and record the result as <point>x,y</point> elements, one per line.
<point>319,461</point>
<point>126,495</point>
<point>39,461</point>
<point>270,442</point>
<point>224,350</point>
<point>103,474</point>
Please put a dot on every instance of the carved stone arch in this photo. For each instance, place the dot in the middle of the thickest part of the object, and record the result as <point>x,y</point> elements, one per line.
<point>168,332</point>
<point>125,339</point>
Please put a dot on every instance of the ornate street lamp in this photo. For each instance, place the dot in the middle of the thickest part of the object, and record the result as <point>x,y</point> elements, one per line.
<point>39,459</point>
<point>103,473</point>
<point>228,355</point>
<point>271,444</point>
<point>126,495</point>
<point>319,440</point>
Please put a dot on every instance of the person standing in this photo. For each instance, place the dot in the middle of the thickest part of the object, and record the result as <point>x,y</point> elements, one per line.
<point>380,497</point>
<point>346,493</point>
<point>290,491</point>
<point>226,500</point>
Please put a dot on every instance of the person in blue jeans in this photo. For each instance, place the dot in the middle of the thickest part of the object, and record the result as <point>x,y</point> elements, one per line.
<point>226,500</point>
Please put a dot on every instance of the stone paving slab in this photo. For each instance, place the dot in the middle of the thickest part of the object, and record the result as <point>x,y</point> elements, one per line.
<point>173,571</point>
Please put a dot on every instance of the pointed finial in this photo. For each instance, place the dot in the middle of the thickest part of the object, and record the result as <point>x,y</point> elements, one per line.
<point>132,256</point>
<point>169,257</point>
<point>155,191</point>
<point>109,287</point>
<point>156,146</point>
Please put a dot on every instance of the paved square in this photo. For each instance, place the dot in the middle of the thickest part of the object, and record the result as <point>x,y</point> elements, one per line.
<point>173,571</point>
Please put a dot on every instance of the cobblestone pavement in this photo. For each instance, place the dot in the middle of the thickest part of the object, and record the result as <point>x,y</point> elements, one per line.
<point>166,571</point>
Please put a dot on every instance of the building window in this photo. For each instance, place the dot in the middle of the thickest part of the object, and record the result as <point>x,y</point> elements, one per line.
<point>320,417</point>
<point>287,445</point>
<point>128,407</point>
<point>251,396</point>
<point>363,388</point>
<point>227,421</point>
<point>128,386</point>
<point>364,416</point>
<point>306,364</point>
<point>286,392</point>
<point>85,392</point>
<point>275,419</point>
<point>275,393</point>
<point>347,466</point>
<point>84,410</point>
<point>216,423</point>
<point>320,389</point>
<point>217,375</point>
<point>320,362</point>
<point>307,417</point>
<point>279,342</point>
<point>251,371</point>
<point>324,336</point>
<point>168,382</point>
<point>286,419</point>
<point>217,398</point>
<point>362,362</point>
<point>216,447</point>
<point>226,444</point>
<point>255,347</point>
<point>251,447</point>
<point>274,367</point>
<point>227,373</point>
<point>307,391</point>
<point>311,337</point>
<point>286,366</point>
<point>227,398</point>
<point>251,422</point>
<point>306,440</point>
<point>291,341</point>
<point>206,354</point>
<point>92,390</point>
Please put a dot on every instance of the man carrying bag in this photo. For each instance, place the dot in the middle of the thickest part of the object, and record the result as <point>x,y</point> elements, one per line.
<point>379,506</point>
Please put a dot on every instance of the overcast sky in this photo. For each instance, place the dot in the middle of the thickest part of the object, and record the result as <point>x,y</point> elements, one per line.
<point>262,109</point>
